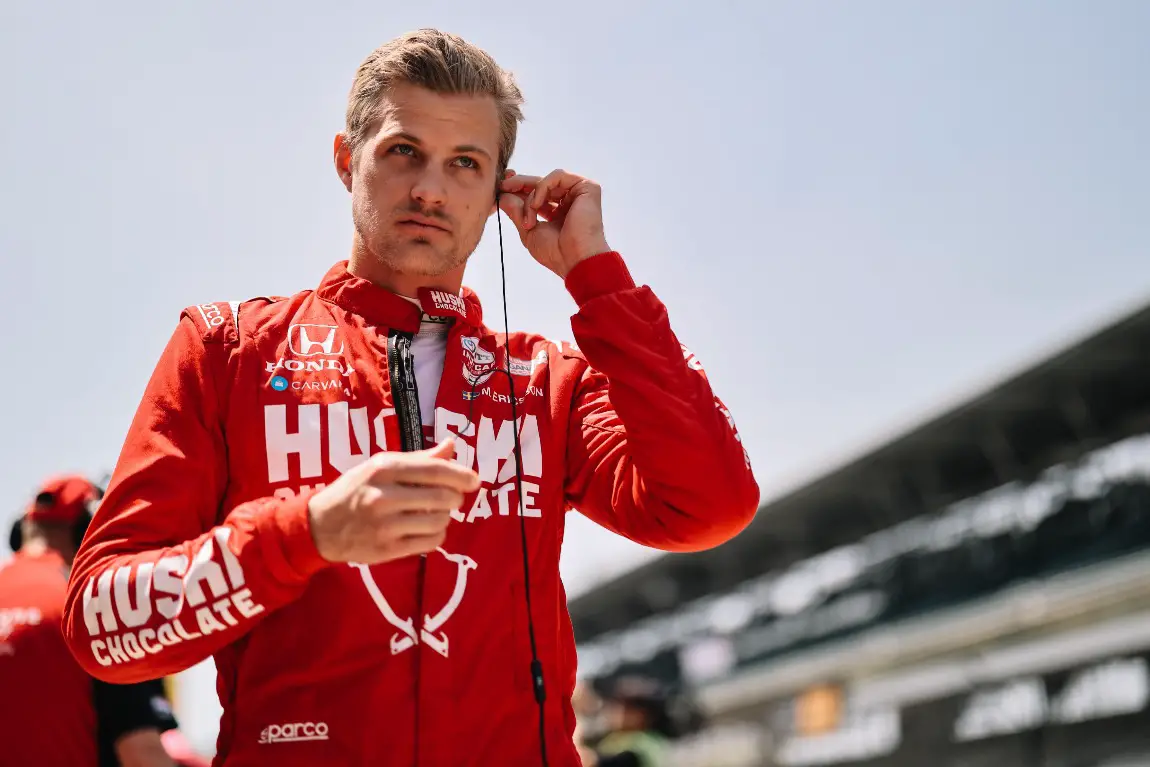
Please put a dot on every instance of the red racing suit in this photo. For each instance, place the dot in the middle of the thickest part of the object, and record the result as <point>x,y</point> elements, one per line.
<point>201,545</point>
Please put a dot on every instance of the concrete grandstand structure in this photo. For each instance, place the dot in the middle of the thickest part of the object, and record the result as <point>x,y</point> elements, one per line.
<point>974,590</point>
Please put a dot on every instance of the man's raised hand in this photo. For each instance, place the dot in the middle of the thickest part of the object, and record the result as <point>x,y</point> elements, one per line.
<point>392,505</point>
<point>571,209</point>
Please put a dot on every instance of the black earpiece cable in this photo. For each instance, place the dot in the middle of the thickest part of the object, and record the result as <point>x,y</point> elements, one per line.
<point>536,667</point>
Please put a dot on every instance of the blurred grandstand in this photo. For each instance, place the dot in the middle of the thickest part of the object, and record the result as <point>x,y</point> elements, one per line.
<point>975,591</point>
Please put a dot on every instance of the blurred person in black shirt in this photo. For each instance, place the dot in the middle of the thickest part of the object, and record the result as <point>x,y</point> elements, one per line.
<point>641,717</point>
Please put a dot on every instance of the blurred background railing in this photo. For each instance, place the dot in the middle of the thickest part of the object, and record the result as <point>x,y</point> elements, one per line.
<point>973,591</point>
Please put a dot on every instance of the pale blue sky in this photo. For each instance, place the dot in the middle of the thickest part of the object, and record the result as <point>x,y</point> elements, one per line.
<point>855,211</point>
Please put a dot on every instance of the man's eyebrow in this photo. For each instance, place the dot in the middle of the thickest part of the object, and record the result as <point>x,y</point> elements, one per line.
<point>472,149</point>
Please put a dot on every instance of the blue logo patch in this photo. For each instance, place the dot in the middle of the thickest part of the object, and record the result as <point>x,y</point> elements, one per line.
<point>279,383</point>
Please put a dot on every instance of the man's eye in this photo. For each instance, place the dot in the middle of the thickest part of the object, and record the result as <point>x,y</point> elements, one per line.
<point>467,162</point>
<point>405,149</point>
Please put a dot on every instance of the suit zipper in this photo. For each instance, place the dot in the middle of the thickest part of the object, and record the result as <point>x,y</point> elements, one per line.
<point>404,391</point>
<point>419,647</point>
<point>405,396</point>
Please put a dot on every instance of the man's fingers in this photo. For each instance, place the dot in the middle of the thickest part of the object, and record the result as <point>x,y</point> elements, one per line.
<point>419,498</point>
<point>544,197</point>
<point>523,186</point>
<point>518,213</point>
<point>519,183</point>
<point>553,187</point>
<point>550,211</point>
<point>558,187</point>
<point>559,209</point>
<point>513,205</point>
<point>445,449</point>
<point>423,468</point>
<point>428,473</point>
<point>415,544</point>
<point>398,526</point>
<point>550,188</point>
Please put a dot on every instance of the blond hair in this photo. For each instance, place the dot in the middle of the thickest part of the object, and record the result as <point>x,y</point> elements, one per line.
<point>443,63</point>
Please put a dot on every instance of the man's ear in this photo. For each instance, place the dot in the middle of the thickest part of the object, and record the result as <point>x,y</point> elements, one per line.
<point>498,191</point>
<point>342,157</point>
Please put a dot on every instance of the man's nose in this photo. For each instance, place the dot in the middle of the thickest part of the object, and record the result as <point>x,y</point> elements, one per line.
<point>430,188</point>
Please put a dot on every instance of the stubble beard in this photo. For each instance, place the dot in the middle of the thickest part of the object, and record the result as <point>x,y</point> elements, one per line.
<point>408,255</point>
<point>416,256</point>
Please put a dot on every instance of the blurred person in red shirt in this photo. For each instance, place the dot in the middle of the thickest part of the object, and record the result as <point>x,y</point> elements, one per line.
<point>55,713</point>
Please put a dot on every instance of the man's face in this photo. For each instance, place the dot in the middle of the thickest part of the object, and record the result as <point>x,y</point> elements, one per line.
<point>423,183</point>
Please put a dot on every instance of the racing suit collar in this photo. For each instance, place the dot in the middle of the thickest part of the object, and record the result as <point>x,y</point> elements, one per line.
<point>383,308</point>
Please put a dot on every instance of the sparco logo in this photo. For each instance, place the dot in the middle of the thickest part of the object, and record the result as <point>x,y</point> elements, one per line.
<point>212,315</point>
<point>294,732</point>
<point>309,340</point>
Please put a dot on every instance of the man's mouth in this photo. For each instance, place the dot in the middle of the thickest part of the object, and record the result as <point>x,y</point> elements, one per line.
<point>416,220</point>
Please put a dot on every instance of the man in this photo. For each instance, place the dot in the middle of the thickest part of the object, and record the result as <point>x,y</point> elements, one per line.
<point>641,720</point>
<point>369,599</point>
<point>54,713</point>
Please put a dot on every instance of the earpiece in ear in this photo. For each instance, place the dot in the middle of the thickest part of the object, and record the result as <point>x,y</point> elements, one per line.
<point>16,535</point>
<point>79,527</point>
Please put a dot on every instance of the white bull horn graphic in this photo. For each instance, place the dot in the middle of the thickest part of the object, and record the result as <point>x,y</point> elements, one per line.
<point>407,637</point>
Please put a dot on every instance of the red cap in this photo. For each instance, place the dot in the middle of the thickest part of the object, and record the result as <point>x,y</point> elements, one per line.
<point>62,500</point>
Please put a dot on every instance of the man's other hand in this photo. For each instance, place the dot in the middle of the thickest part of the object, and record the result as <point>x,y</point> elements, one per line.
<point>142,748</point>
<point>392,505</point>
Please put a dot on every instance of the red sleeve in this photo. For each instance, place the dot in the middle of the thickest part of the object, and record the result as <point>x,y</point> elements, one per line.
<point>653,454</point>
<point>158,585</point>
